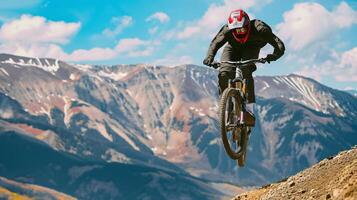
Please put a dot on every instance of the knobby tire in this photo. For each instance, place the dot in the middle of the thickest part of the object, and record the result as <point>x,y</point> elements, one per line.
<point>244,140</point>
<point>227,94</point>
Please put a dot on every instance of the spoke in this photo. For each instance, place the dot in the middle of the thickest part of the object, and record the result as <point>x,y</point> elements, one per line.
<point>226,116</point>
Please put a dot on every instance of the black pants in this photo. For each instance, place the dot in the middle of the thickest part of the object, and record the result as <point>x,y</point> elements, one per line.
<point>228,71</point>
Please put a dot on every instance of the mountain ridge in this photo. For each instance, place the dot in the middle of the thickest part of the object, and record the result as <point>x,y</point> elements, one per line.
<point>87,179</point>
<point>166,117</point>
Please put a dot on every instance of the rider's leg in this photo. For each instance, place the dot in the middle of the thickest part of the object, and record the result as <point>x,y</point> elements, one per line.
<point>247,72</point>
<point>227,71</point>
<point>223,78</point>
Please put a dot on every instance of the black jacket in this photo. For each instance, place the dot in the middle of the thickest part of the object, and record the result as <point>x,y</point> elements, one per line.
<point>260,35</point>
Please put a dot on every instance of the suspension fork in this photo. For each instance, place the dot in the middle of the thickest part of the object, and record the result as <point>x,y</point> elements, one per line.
<point>242,86</point>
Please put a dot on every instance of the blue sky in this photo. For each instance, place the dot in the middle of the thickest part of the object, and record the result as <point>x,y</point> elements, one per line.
<point>320,36</point>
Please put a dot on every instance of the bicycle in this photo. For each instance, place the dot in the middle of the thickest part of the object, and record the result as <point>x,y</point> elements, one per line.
<point>235,121</point>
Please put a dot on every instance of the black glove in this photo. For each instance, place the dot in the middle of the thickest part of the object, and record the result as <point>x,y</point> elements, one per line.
<point>270,57</point>
<point>208,61</point>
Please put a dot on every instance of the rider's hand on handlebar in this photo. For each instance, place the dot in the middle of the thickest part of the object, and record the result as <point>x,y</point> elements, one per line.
<point>270,57</point>
<point>215,64</point>
<point>208,61</point>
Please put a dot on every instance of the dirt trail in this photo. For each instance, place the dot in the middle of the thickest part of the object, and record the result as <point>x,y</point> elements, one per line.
<point>332,178</point>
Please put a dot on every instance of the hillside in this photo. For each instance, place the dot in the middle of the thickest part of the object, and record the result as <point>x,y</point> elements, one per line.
<point>332,178</point>
<point>15,190</point>
<point>27,160</point>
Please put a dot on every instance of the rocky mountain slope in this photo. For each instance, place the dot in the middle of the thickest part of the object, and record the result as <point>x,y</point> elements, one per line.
<point>16,190</point>
<point>300,121</point>
<point>353,92</point>
<point>26,159</point>
<point>332,178</point>
<point>166,117</point>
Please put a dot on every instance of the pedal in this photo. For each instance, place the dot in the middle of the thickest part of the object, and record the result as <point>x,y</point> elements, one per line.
<point>249,118</point>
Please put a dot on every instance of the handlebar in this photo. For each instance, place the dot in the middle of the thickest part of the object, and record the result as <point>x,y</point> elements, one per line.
<point>216,64</point>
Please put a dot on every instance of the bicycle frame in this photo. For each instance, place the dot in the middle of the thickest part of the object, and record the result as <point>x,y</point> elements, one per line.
<point>241,84</point>
<point>233,114</point>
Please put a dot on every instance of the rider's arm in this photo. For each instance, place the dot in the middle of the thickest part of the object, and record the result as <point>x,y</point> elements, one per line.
<point>278,45</point>
<point>218,41</point>
<point>272,39</point>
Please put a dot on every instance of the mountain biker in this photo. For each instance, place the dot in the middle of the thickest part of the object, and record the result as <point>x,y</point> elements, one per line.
<point>245,38</point>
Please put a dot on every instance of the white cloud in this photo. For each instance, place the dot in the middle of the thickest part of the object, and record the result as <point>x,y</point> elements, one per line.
<point>312,36</point>
<point>33,50</point>
<point>311,71</point>
<point>55,51</point>
<point>342,67</point>
<point>91,54</point>
<point>130,44</point>
<point>347,67</point>
<point>119,23</point>
<point>307,23</point>
<point>189,32</point>
<point>194,35</point>
<point>174,60</point>
<point>129,47</point>
<point>153,30</point>
<point>213,18</point>
<point>135,47</point>
<point>36,36</point>
<point>147,51</point>
<point>349,88</point>
<point>160,16</point>
<point>35,29</point>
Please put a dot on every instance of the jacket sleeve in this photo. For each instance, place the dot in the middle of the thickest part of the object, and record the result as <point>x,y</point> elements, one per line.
<point>218,41</point>
<point>272,39</point>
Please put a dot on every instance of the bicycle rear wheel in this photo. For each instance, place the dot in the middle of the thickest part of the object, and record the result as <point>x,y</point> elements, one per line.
<point>244,139</point>
<point>230,108</point>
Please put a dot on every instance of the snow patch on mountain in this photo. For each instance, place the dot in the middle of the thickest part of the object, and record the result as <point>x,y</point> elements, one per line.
<point>302,91</point>
<point>111,155</point>
<point>72,77</point>
<point>115,76</point>
<point>305,90</point>
<point>125,137</point>
<point>46,111</point>
<point>6,114</point>
<point>5,72</point>
<point>66,110</point>
<point>83,67</point>
<point>44,64</point>
<point>266,85</point>
<point>102,130</point>
<point>308,150</point>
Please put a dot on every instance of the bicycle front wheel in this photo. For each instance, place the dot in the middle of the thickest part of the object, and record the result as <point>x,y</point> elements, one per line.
<point>230,108</point>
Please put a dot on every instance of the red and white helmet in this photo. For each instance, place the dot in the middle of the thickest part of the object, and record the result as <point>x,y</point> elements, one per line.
<point>239,24</point>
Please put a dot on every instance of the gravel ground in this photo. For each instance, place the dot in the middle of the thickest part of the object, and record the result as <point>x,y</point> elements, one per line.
<point>332,178</point>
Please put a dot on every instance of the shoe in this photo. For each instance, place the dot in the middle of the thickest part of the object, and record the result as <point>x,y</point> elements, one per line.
<point>249,118</point>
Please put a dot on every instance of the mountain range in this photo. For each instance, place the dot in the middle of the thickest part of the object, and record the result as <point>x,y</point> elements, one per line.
<point>156,126</point>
